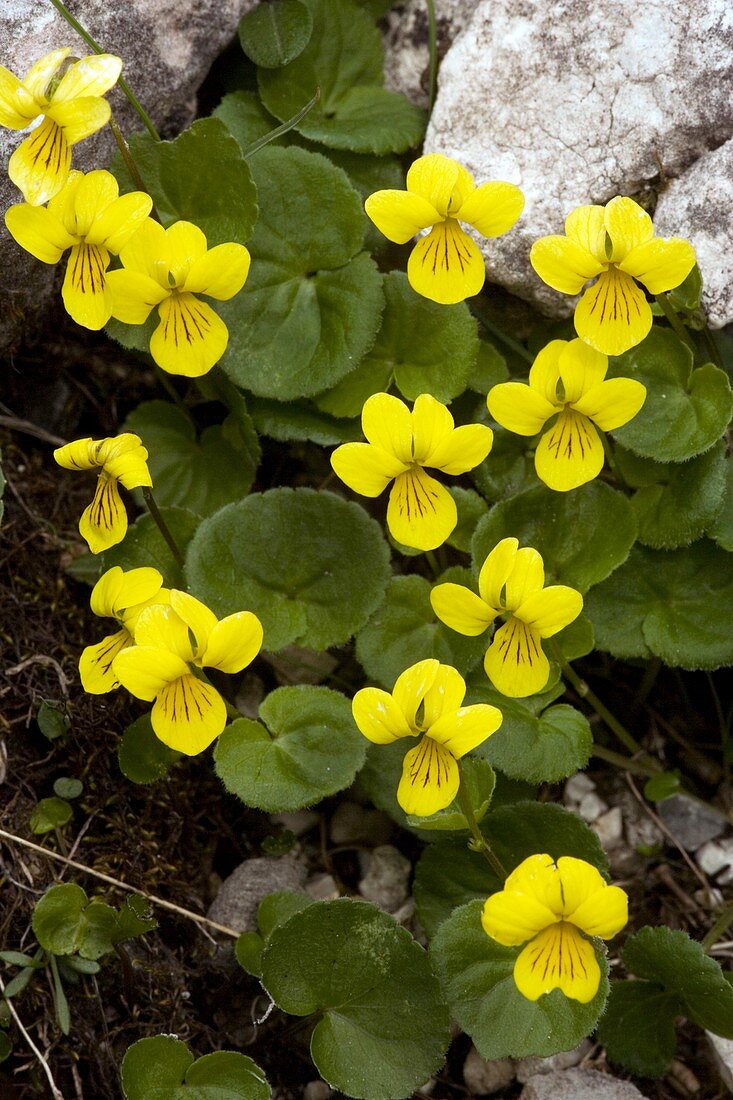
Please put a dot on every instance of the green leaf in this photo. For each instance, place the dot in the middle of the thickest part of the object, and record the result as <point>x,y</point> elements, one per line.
<point>476,974</point>
<point>200,474</point>
<point>508,470</point>
<point>66,787</point>
<point>663,785</point>
<point>489,369</point>
<point>582,536</point>
<point>721,528</point>
<point>304,748</point>
<point>274,910</point>
<point>201,177</point>
<point>479,780</point>
<point>163,1067</point>
<point>638,1027</point>
<point>674,604</point>
<point>471,508</point>
<point>405,630</point>
<point>143,758</point>
<point>685,501</point>
<point>6,1046</point>
<point>383,1027</point>
<point>274,34</point>
<point>312,566</point>
<point>539,748</point>
<point>344,59</point>
<point>348,396</point>
<point>53,719</point>
<point>50,814</point>
<point>144,545</point>
<point>450,874</point>
<point>686,411</point>
<point>299,420</point>
<point>134,919</point>
<point>66,922</point>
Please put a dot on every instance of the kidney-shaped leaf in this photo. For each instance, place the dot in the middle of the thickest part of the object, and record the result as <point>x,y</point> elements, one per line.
<point>163,1068</point>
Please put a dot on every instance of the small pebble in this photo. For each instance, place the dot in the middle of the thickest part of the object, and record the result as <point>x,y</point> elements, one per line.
<point>723,1054</point>
<point>577,787</point>
<point>566,1059</point>
<point>482,1076</point>
<point>386,882</point>
<point>322,887</point>
<point>300,822</point>
<point>609,828</point>
<point>716,858</point>
<point>591,806</point>
<point>316,1090</point>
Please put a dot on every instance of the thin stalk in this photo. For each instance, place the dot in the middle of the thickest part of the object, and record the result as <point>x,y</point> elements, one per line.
<point>679,328</point>
<point>122,84</point>
<point>720,926</point>
<point>480,841</point>
<point>433,562</point>
<point>636,767</point>
<point>433,48</point>
<point>129,160</point>
<point>509,341</point>
<point>162,525</point>
<point>283,129</point>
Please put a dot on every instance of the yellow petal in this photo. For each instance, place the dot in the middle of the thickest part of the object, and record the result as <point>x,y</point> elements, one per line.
<point>613,315</point>
<point>124,457</point>
<point>411,687</point>
<point>550,610</point>
<point>628,225</point>
<point>519,408</point>
<point>80,117</point>
<point>400,215</point>
<point>86,296</point>
<point>146,253</point>
<point>495,572</point>
<point>526,578</point>
<point>581,367</point>
<point>38,77</point>
<point>544,374</point>
<point>563,264</point>
<point>79,455</point>
<point>114,227</point>
<point>660,264</point>
<point>613,402</point>
<point>421,512</point>
<point>92,76</point>
<point>365,469</point>
<point>493,208</point>
<point>443,182</point>
<point>234,642</point>
<point>588,901</point>
<point>446,265</point>
<point>388,424</point>
<point>116,590</point>
<point>537,876</point>
<point>133,295</point>
<point>379,717</point>
<point>40,165</point>
<point>185,244</point>
<point>570,454</point>
<point>188,715</point>
<point>144,670</point>
<point>95,664</point>
<point>430,779</point>
<point>37,231</point>
<point>515,662</point>
<point>91,195</point>
<point>200,620</point>
<point>466,728</point>
<point>158,627</point>
<point>586,227</point>
<point>220,273</point>
<point>519,911</point>
<point>432,425</point>
<point>17,106</point>
<point>104,522</point>
<point>465,448</point>
<point>444,696</point>
<point>558,958</point>
<point>190,338</point>
<point>461,609</point>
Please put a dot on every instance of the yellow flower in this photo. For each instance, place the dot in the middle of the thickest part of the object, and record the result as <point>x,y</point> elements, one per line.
<point>568,378</point>
<point>171,645</point>
<point>167,268</point>
<point>60,112</point>
<point>551,905</point>
<point>616,243</point>
<point>421,512</point>
<point>511,583</point>
<point>426,703</point>
<point>119,458</point>
<point>121,596</point>
<point>446,264</point>
<point>88,217</point>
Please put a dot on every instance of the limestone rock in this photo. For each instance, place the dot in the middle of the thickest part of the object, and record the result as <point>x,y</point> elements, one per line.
<point>240,894</point>
<point>609,828</point>
<point>483,1077</point>
<point>579,1084</point>
<point>385,883</point>
<point>723,1053</point>
<point>691,823</point>
<point>715,858</point>
<point>566,1059</point>
<point>405,41</point>
<point>577,101</point>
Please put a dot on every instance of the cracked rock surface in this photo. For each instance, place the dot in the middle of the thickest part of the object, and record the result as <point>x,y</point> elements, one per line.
<point>579,100</point>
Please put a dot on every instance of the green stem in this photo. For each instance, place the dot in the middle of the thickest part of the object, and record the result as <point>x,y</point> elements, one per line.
<point>433,562</point>
<point>129,160</point>
<point>162,525</point>
<point>636,767</point>
<point>679,328</point>
<point>720,926</point>
<point>712,347</point>
<point>481,843</point>
<point>283,129</point>
<point>122,84</point>
<point>509,341</point>
<point>433,47</point>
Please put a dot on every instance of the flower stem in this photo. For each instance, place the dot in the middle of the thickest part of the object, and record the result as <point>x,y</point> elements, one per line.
<point>636,767</point>
<point>480,842</point>
<point>719,927</point>
<point>129,160</point>
<point>162,525</point>
<point>433,47</point>
<point>712,347</point>
<point>123,85</point>
<point>283,129</point>
<point>677,325</point>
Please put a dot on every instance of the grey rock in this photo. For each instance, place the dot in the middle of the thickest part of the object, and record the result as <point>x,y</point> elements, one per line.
<point>385,883</point>
<point>482,1076</point>
<point>591,806</point>
<point>716,858</point>
<point>691,822</point>
<point>353,824</point>
<point>609,828</point>
<point>577,101</point>
<point>566,1059</point>
<point>579,1084</point>
<point>322,887</point>
<point>640,830</point>
<point>240,894</point>
<point>576,788</point>
<point>298,822</point>
<point>723,1054</point>
<point>317,1090</point>
<point>167,47</point>
<point>405,42</point>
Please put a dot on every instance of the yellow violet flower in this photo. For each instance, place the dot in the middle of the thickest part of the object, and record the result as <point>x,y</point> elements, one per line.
<point>551,905</point>
<point>121,596</point>
<point>614,243</point>
<point>446,264</point>
<point>59,113</point>
<point>569,379</point>
<point>426,703</point>
<point>421,512</point>
<point>167,268</point>
<point>511,584</point>
<point>172,645</point>
<point>88,217</point>
<point>119,458</point>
